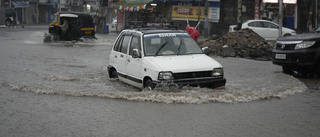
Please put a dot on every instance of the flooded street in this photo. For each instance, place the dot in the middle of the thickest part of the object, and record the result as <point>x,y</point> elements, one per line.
<point>63,89</point>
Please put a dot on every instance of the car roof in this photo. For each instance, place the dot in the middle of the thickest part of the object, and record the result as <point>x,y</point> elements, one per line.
<point>72,12</point>
<point>256,20</point>
<point>152,30</point>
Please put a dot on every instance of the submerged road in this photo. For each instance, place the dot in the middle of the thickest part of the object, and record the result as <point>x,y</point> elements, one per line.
<point>62,89</point>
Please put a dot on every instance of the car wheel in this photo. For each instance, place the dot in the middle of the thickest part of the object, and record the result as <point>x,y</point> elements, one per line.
<point>287,70</point>
<point>55,37</point>
<point>8,23</point>
<point>114,74</point>
<point>149,84</point>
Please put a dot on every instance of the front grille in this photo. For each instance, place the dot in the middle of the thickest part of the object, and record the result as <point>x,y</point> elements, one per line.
<point>280,46</point>
<point>198,74</point>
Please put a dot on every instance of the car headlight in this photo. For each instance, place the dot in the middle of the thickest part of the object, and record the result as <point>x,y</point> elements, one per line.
<point>165,76</point>
<point>217,73</point>
<point>304,44</point>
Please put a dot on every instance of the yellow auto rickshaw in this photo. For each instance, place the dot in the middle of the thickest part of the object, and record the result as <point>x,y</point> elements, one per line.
<point>69,26</point>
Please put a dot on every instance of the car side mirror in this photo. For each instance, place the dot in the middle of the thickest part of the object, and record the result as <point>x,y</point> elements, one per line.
<point>205,50</point>
<point>136,53</point>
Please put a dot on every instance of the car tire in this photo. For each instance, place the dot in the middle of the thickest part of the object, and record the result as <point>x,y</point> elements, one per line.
<point>114,74</point>
<point>55,38</point>
<point>8,22</point>
<point>149,84</point>
<point>287,70</point>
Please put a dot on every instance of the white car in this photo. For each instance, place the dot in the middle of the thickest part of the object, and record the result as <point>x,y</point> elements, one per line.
<point>147,58</point>
<point>266,29</point>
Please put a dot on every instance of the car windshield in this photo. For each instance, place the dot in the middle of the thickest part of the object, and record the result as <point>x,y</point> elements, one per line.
<point>170,44</point>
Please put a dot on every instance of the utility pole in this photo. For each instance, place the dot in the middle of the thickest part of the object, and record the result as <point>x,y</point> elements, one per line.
<point>239,11</point>
<point>206,23</point>
<point>199,10</point>
<point>280,18</point>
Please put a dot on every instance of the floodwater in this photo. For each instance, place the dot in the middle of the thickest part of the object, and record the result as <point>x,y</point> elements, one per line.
<point>80,69</point>
<point>63,89</point>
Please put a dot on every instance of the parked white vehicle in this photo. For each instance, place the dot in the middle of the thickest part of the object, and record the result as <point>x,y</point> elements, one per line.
<point>147,58</point>
<point>266,29</point>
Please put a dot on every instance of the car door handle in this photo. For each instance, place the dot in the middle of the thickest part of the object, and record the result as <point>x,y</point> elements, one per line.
<point>128,60</point>
<point>115,56</point>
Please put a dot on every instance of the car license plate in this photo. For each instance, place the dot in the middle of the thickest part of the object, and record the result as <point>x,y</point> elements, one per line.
<point>280,56</point>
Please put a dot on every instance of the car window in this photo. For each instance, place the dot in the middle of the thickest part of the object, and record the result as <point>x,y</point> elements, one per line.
<point>135,44</point>
<point>189,46</point>
<point>270,25</point>
<point>118,43</point>
<point>124,44</point>
<point>255,24</point>
<point>170,44</point>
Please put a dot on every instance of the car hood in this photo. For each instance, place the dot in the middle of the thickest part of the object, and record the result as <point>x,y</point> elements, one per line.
<point>185,63</point>
<point>307,36</point>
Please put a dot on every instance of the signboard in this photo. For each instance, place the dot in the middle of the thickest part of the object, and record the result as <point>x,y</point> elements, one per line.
<point>256,9</point>
<point>187,11</point>
<point>214,11</point>
<point>191,10</point>
<point>284,1</point>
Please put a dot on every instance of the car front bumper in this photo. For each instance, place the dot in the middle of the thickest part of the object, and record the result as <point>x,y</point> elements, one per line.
<point>201,82</point>
<point>303,58</point>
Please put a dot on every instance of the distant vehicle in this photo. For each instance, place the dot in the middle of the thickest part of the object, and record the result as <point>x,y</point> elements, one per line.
<point>266,29</point>
<point>300,53</point>
<point>147,58</point>
<point>67,26</point>
<point>114,22</point>
<point>10,19</point>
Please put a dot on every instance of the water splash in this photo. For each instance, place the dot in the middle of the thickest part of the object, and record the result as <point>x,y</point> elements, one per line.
<point>231,93</point>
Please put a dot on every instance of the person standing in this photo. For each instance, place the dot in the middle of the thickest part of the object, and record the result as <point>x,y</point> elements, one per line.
<point>34,19</point>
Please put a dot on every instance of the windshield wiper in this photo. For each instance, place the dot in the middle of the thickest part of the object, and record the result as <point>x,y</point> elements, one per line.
<point>179,47</point>
<point>161,48</point>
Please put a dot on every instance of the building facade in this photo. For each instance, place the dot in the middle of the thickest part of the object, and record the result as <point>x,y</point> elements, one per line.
<point>215,15</point>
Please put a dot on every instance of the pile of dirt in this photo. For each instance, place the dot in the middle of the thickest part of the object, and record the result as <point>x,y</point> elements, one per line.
<point>244,43</point>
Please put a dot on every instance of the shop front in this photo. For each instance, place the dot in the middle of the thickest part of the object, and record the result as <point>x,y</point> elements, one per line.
<point>20,11</point>
<point>196,12</point>
<point>134,13</point>
<point>270,11</point>
<point>162,13</point>
<point>47,8</point>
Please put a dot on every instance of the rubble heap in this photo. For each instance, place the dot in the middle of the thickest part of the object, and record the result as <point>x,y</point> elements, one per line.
<point>244,43</point>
